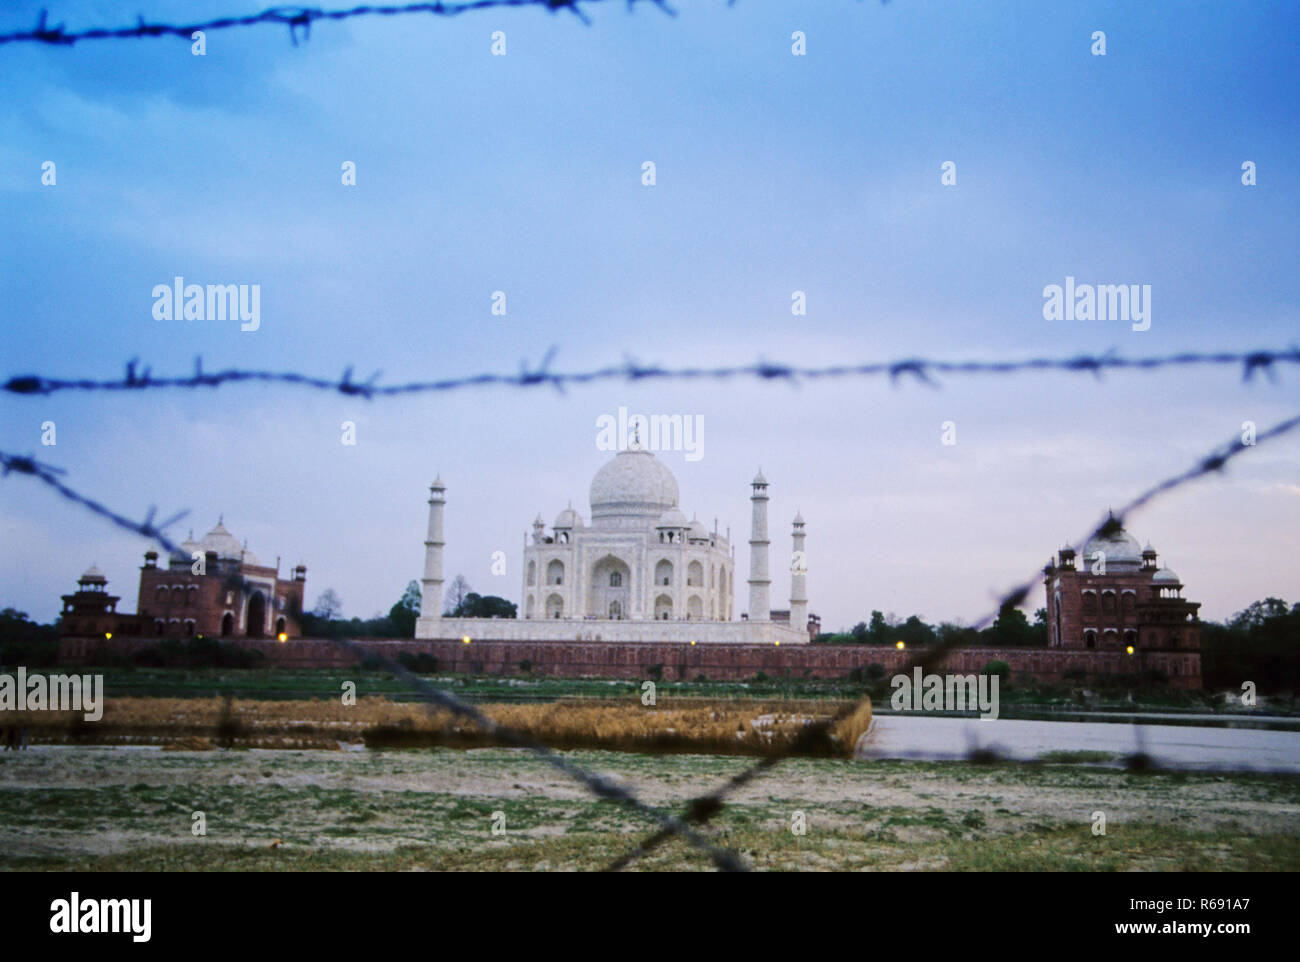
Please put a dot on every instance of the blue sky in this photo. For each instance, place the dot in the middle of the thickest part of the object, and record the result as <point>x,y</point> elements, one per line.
<point>775,173</point>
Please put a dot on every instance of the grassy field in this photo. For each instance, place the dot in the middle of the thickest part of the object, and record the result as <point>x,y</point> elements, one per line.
<point>104,808</point>
<point>277,683</point>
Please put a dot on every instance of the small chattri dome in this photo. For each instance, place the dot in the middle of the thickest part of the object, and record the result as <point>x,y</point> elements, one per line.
<point>1166,576</point>
<point>758,478</point>
<point>673,519</point>
<point>187,548</point>
<point>568,518</point>
<point>93,576</point>
<point>698,530</point>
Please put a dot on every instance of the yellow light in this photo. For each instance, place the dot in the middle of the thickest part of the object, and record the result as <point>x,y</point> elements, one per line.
<point>692,642</point>
<point>108,635</point>
<point>283,637</point>
<point>1129,649</point>
<point>899,645</point>
<point>465,640</point>
<point>777,643</point>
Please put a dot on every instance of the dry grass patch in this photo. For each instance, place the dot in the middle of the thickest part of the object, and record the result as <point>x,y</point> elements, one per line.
<point>714,726</point>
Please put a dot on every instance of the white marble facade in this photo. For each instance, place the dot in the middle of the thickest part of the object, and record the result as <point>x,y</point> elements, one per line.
<point>638,571</point>
<point>638,559</point>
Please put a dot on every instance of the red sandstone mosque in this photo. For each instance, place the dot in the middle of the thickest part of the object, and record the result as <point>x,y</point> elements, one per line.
<point>211,587</point>
<point>1120,600</point>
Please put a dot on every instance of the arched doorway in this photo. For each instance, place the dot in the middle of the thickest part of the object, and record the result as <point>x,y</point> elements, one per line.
<point>227,625</point>
<point>281,626</point>
<point>611,581</point>
<point>663,608</point>
<point>256,617</point>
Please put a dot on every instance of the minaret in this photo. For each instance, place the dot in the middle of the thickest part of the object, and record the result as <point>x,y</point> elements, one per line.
<point>431,583</point>
<point>799,579</point>
<point>759,579</point>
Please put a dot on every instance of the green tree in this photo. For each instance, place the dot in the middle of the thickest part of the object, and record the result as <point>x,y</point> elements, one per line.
<point>914,631</point>
<point>1258,612</point>
<point>484,606</point>
<point>403,614</point>
<point>1011,629</point>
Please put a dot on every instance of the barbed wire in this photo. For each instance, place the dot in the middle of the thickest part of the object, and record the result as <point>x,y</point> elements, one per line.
<point>299,20</point>
<point>924,370</point>
<point>702,808</point>
<point>49,475</point>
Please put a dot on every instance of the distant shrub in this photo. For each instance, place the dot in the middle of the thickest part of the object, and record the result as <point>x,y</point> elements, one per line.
<point>875,670</point>
<point>526,666</point>
<point>999,668</point>
<point>33,654</point>
<point>1074,674</point>
<point>656,671</point>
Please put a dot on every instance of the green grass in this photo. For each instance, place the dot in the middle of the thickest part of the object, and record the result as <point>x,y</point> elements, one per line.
<point>115,810</point>
<point>1138,846</point>
<point>280,683</point>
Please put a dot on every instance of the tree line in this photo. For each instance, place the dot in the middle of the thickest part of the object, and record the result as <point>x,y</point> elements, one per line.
<point>1011,629</point>
<point>460,601</point>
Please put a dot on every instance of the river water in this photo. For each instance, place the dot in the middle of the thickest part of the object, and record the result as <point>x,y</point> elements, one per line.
<point>1172,746</point>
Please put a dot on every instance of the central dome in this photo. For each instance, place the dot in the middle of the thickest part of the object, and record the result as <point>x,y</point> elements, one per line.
<point>225,544</point>
<point>1118,546</point>
<point>633,483</point>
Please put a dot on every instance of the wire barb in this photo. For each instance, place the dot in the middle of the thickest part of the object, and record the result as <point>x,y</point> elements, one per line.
<point>298,20</point>
<point>925,371</point>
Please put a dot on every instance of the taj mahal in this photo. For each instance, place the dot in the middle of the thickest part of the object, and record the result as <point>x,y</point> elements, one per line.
<point>639,571</point>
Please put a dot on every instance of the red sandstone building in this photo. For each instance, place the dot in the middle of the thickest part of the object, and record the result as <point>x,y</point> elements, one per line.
<point>1094,616</point>
<point>211,587</point>
<point>1117,599</point>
